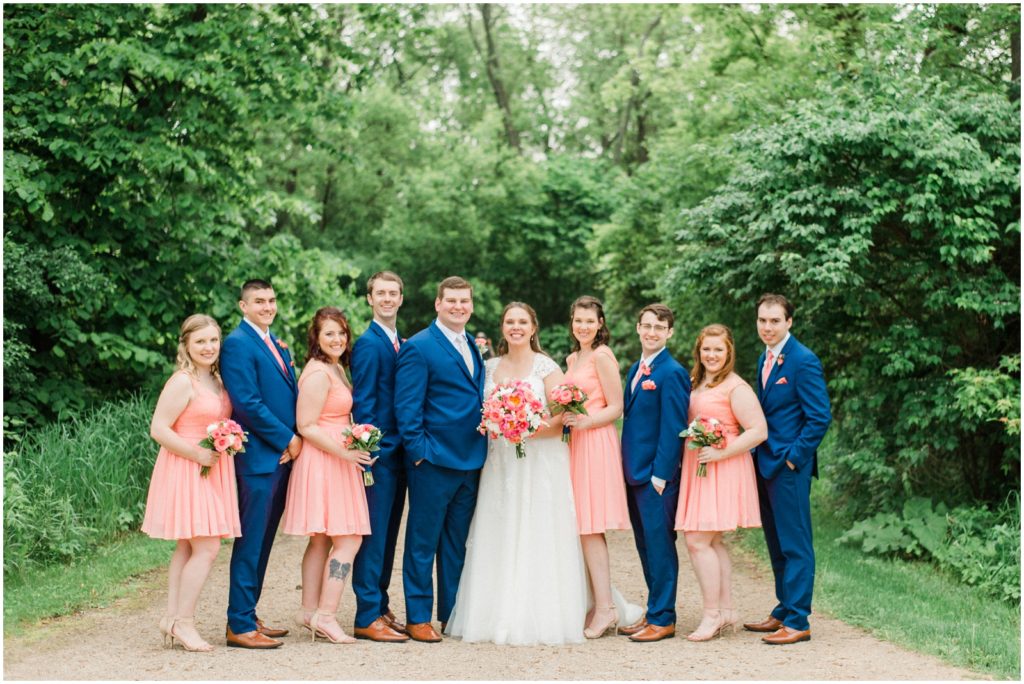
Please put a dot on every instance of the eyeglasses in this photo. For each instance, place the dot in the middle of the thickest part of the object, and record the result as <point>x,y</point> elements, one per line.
<point>647,327</point>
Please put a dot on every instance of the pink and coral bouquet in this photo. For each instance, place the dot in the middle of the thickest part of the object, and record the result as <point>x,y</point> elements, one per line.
<point>363,437</point>
<point>226,437</point>
<point>512,412</point>
<point>704,432</point>
<point>567,398</point>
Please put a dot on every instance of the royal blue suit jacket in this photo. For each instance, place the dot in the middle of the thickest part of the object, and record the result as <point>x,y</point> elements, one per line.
<point>373,388</point>
<point>652,421</point>
<point>262,398</point>
<point>437,402</point>
<point>796,406</point>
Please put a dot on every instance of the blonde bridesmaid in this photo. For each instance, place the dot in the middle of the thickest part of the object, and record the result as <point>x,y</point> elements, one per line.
<point>595,459</point>
<point>726,497</point>
<point>326,495</point>
<point>195,511</point>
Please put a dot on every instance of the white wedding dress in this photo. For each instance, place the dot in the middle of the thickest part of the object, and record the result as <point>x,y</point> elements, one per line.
<point>524,581</point>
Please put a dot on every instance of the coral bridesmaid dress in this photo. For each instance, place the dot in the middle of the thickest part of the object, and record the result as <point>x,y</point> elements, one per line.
<point>726,498</point>
<point>326,494</point>
<point>181,504</point>
<point>595,457</point>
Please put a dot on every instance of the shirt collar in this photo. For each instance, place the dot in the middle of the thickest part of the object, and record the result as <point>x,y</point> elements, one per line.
<point>263,335</point>
<point>392,334</point>
<point>651,358</point>
<point>777,349</point>
<point>449,333</point>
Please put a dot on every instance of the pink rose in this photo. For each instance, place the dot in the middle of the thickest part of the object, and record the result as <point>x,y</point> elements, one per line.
<point>222,443</point>
<point>237,444</point>
<point>564,396</point>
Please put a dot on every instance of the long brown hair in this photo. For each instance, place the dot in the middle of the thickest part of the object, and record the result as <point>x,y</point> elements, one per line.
<point>534,341</point>
<point>324,314</point>
<point>604,335</point>
<point>189,327</point>
<point>699,371</point>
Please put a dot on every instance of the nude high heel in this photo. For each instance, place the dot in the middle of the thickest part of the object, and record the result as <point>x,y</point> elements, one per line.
<point>202,647</point>
<point>716,631</point>
<point>303,617</point>
<point>607,627</point>
<point>314,627</point>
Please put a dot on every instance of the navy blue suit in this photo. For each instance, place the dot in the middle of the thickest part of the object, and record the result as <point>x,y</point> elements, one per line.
<point>651,446</point>
<point>263,399</point>
<point>437,406</point>
<point>373,394</point>
<point>796,406</point>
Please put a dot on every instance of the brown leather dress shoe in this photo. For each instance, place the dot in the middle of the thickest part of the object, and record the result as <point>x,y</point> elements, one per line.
<point>787,636</point>
<point>769,624</point>
<point>393,622</point>
<point>272,632</point>
<point>424,631</point>
<point>630,630</point>
<point>654,633</point>
<point>251,639</point>
<point>378,630</point>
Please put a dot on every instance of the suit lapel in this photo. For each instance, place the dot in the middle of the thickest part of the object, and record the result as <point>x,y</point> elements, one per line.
<point>383,336</point>
<point>630,392</point>
<point>774,372</point>
<point>442,339</point>
<point>255,336</point>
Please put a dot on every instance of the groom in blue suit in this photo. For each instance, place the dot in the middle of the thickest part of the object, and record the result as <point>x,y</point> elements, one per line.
<point>794,398</point>
<point>374,359</point>
<point>657,400</point>
<point>439,386</point>
<point>259,376</point>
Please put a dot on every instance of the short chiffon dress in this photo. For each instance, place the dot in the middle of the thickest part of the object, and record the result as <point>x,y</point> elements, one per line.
<point>726,498</point>
<point>595,456</point>
<point>181,504</point>
<point>326,494</point>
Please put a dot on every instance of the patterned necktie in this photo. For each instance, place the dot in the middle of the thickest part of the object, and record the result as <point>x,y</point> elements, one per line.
<point>463,347</point>
<point>273,350</point>
<point>767,370</point>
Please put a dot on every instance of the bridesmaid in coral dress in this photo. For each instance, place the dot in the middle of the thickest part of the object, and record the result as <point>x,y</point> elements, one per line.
<point>326,495</point>
<point>726,497</point>
<point>595,459</point>
<point>181,505</point>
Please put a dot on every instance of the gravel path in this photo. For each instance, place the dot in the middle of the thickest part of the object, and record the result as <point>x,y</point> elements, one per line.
<point>122,642</point>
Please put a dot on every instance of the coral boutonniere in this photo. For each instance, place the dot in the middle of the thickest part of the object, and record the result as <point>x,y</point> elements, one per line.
<point>648,385</point>
<point>645,370</point>
<point>781,359</point>
<point>284,346</point>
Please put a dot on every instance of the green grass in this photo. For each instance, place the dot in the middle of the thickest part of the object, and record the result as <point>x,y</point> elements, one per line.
<point>911,604</point>
<point>104,575</point>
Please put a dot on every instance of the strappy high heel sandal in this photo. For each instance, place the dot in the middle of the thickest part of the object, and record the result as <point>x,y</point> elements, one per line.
<point>201,647</point>
<point>303,617</point>
<point>697,635</point>
<point>165,631</point>
<point>607,627</point>
<point>314,627</point>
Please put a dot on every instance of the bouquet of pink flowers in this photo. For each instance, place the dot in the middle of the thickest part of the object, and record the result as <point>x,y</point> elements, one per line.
<point>513,412</point>
<point>567,398</point>
<point>363,437</point>
<point>226,437</point>
<point>704,432</point>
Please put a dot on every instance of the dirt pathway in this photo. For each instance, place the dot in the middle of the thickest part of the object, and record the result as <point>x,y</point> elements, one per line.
<point>122,642</point>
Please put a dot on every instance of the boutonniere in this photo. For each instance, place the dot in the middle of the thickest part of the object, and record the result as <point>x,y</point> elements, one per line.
<point>645,370</point>
<point>284,346</point>
<point>292,364</point>
<point>782,381</point>
<point>781,359</point>
<point>648,385</point>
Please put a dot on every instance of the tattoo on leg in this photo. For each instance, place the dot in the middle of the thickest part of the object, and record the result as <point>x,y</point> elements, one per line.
<point>338,571</point>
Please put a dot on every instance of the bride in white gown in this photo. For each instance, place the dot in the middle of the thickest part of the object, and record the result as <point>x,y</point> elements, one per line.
<point>524,581</point>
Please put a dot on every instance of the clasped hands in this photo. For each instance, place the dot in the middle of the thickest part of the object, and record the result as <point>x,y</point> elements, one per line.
<point>292,452</point>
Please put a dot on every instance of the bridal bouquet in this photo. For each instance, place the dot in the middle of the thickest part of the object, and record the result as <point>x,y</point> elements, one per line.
<point>512,412</point>
<point>226,437</point>
<point>363,437</point>
<point>567,398</point>
<point>704,432</point>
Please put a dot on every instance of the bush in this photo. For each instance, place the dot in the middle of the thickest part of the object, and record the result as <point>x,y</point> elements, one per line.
<point>979,545</point>
<point>74,484</point>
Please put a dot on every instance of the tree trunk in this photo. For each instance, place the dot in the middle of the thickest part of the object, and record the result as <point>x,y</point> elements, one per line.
<point>494,76</point>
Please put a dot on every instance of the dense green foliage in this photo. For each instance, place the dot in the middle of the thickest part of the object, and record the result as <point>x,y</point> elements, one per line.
<point>72,485</point>
<point>861,159</point>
